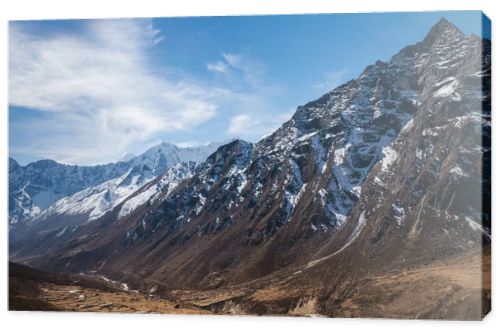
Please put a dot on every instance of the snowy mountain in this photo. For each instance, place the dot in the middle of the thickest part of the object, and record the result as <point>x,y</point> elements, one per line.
<point>381,174</point>
<point>93,202</point>
<point>35,187</point>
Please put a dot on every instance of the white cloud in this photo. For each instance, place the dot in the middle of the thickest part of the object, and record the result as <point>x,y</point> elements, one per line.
<point>191,143</point>
<point>99,87</point>
<point>233,59</point>
<point>241,124</point>
<point>218,67</point>
<point>101,96</point>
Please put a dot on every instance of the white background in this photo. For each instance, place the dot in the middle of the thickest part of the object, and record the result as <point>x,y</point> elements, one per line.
<point>49,322</point>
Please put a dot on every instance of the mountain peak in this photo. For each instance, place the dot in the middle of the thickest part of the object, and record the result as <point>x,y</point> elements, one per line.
<point>127,156</point>
<point>442,28</point>
<point>235,143</point>
<point>165,143</point>
<point>13,163</point>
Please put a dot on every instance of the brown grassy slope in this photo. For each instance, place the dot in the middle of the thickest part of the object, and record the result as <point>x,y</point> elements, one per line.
<point>35,290</point>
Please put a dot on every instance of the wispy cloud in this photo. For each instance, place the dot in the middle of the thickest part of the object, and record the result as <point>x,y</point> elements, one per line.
<point>101,94</point>
<point>243,125</point>
<point>243,69</point>
<point>218,67</point>
<point>252,96</point>
<point>101,85</point>
<point>185,144</point>
<point>331,80</point>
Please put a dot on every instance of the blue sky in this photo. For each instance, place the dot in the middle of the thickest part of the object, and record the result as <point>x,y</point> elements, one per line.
<point>89,91</point>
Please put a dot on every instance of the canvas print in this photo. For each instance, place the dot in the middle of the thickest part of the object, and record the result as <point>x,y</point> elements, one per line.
<point>294,165</point>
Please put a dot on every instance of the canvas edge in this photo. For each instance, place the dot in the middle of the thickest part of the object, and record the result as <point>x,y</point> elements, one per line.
<point>486,171</point>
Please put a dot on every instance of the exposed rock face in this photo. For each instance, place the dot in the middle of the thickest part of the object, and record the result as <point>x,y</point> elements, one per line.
<point>381,174</point>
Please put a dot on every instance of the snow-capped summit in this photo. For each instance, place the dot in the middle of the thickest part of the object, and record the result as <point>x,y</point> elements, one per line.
<point>93,202</point>
<point>35,187</point>
<point>443,30</point>
<point>164,155</point>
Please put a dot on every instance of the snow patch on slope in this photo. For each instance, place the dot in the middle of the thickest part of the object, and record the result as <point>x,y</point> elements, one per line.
<point>170,179</point>
<point>390,156</point>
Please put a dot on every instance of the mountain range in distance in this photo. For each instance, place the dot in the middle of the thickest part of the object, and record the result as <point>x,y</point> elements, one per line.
<point>45,187</point>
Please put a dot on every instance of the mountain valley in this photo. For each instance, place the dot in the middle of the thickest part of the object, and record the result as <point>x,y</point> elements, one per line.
<point>374,195</point>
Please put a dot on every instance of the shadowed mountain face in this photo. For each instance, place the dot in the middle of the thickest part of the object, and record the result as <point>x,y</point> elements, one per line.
<point>381,175</point>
